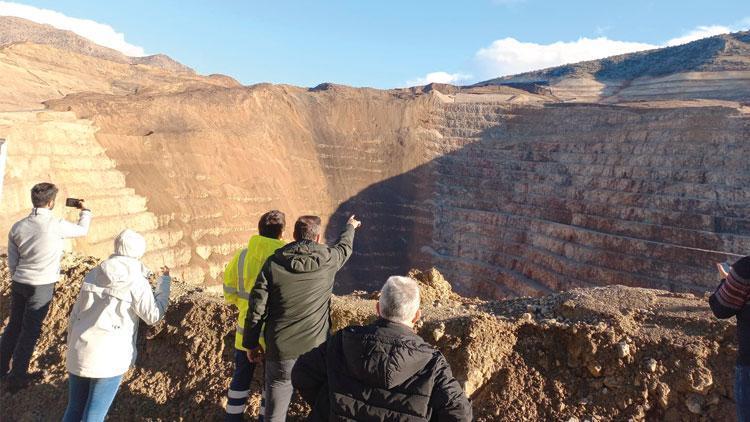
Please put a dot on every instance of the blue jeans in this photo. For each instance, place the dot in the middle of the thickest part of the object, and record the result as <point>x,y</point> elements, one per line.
<point>742,392</point>
<point>239,388</point>
<point>89,398</point>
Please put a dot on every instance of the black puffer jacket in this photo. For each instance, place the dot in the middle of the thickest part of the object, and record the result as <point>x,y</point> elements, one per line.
<point>379,372</point>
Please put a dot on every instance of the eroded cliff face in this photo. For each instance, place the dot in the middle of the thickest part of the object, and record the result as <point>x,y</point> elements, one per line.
<point>212,161</point>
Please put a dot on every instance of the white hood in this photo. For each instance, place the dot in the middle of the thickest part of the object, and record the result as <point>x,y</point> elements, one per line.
<point>130,244</point>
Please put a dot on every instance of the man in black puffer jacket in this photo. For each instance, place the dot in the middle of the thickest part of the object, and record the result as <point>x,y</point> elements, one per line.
<point>382,371</point>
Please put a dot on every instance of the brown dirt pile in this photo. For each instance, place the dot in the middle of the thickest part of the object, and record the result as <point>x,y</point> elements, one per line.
<point>613,353</point>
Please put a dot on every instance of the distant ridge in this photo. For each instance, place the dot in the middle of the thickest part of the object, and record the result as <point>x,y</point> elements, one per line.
<point>15,30</point>
<point>728,52</point>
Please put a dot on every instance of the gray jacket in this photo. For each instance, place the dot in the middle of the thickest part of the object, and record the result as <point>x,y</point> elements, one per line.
<point>35,245</point>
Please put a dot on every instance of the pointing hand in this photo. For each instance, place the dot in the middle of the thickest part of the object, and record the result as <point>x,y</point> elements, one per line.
<point>354,222</point>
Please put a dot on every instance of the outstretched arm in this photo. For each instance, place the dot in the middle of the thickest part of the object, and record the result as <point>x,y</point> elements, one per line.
<point>731,295</point>
<point>79,229</point>
<point>342,250</point>
<point>151,307</point>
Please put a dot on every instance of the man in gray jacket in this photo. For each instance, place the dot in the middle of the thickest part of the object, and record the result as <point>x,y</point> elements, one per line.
<point>35,247</point>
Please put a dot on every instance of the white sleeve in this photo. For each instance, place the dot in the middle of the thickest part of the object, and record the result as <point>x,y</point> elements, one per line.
<point>13,255</point>
<point>80,229</point>
<point>149,306</point>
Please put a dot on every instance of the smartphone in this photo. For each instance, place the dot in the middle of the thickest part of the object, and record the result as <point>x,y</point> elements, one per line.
<point>73,202</point>
<point>723,268</point>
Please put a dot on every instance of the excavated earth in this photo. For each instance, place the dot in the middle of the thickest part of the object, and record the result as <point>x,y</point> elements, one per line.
<point>607,353</point>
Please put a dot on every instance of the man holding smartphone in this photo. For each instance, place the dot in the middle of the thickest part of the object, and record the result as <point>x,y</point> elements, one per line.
<point>729,300</point>
<point>35,247</point>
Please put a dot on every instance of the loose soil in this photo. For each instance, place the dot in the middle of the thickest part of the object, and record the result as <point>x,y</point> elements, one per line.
<point>612,353</point>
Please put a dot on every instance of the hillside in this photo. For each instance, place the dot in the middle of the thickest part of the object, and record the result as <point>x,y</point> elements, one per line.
<point>613,353</point>
<point>715,67</point>
<point>17,30</point>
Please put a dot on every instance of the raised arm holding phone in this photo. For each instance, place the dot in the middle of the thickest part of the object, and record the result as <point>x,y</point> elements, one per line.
<point>729,300</point>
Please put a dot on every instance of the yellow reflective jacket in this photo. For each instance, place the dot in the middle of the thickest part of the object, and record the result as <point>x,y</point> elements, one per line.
<point>237,289</point>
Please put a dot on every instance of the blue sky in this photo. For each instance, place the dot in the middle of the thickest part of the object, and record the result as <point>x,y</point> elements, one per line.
<point>385,43</point>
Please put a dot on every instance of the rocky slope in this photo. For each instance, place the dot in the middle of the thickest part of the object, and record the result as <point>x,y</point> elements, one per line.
<point>716,67</point>
<point>18,30</point>
<point>612,353</point>
<point>508,190</point>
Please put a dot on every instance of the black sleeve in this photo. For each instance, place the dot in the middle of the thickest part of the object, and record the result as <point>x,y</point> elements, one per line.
<point>257,310</point>
<point>720,311</point>
<point>448,399</point>
<point>309,375</point>
<point>342,250</point>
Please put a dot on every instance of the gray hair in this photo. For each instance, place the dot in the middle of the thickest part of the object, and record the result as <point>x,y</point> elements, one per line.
<point>399,299</point>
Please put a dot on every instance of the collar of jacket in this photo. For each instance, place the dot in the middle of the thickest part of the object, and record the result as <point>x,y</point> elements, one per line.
<point>41,211</point>
<point>395,326</point>
<point>263,241</point>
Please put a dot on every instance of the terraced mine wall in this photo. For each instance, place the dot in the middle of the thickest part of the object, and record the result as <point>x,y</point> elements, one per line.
<point>59,147</point>
<point>505,199</point>
<point>531,200</point>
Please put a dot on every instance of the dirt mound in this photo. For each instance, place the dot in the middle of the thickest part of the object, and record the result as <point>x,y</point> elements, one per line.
<point>433,287</point>
<point>613,353</point>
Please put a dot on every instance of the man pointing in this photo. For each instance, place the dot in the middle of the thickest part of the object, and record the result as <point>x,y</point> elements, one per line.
<point>292,296</point>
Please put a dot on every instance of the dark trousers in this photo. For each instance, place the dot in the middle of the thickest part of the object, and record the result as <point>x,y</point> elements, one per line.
<point>742,392</point>
<point>279,389</point>
<point>239,388</point>
<point>28,308</point>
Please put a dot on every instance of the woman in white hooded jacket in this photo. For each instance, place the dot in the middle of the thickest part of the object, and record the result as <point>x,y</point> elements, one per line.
<point>104,324</point>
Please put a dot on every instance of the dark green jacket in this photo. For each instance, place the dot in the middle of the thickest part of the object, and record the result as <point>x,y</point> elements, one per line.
<point>292,295</point>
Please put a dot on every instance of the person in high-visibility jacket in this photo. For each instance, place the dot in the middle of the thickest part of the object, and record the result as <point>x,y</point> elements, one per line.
<point>239,278</point>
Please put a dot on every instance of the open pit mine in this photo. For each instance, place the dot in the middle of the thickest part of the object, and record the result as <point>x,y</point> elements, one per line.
<point>575,212</point>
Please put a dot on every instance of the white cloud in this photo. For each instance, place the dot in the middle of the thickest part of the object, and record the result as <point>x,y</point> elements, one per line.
<point>698,33</point>
<point>509,56</point>
<point>439,77</point>
<point>99,33</point>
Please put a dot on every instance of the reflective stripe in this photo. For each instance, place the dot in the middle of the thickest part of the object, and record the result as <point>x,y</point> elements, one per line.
<point>244,295</point>
<point>229,290</point>
<point>236,409</point>
<point>232,394</point>
<point>241,274</point>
